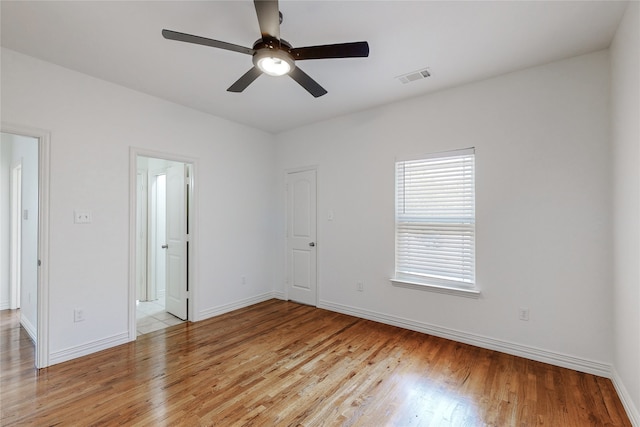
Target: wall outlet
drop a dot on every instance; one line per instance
(82, 216)
(360, 286)
(523, 314)
(78, 315)
(243, 279)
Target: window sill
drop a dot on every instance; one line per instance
(468, 293)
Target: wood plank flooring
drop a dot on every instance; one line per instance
(280, 363)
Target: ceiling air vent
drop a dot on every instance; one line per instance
(416, 75)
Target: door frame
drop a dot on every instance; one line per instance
(192, 266)
(287, 172)
(42, 332)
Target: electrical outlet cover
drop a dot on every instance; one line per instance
(82, 216)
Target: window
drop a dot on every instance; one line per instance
(435, 221)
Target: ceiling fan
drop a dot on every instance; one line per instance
(273, 55)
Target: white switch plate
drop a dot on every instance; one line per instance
(523, 314)
(82, 216)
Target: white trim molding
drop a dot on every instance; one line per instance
(88, 348)
(226, 308)
(632, 411)
(469, 293)
(28, 326)
(279, 295)
(540, 355)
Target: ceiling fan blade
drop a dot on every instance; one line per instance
(188, 38)
(244, 81)
(268, 18)
(340, 50)
(307, 82)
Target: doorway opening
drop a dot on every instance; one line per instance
(15, 232)
(19, 158)
(164, 190)
(23, 231)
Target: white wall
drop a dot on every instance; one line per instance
(625, 121)
(24, 150)
(93, 124)
(543, 209)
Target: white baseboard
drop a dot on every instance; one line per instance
(28, 326)
(632, 411)
(88, 348)
(123, 338)
(279, 295)
(5, 305)
(225, 308)
(545, 356)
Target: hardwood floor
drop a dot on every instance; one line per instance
(284, 364)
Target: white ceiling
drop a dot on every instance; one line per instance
(120, 41)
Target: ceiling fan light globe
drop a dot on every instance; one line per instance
(274, 62)
(274, 66)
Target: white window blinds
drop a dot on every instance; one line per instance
(435, 219)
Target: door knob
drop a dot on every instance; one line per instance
(165, 246)
(312, 244)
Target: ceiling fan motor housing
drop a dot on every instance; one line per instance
(272, 56)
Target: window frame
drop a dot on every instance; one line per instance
(462, 219)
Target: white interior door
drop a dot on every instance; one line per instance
(301, 237)
(176, 262)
